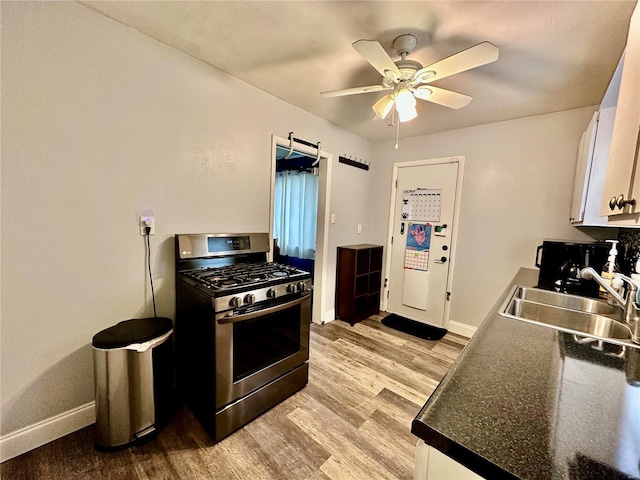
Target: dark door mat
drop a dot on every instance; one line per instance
(412, 327)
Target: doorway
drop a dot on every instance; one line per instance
(299, 226)
(423, 226)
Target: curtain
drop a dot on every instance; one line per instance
(296, 213)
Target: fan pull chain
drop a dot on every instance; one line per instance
(397, 134)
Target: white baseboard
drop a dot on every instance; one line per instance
(461, 329)
(27, 438)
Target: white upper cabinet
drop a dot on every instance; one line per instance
(583, 171)
(591, 168)
(621, 195)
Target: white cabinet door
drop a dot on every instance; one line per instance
(583, 171)
(587, 194)
(434, 465)
(622, 179)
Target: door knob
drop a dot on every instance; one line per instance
(442, 260)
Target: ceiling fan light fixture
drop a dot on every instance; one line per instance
(407, 114)
(406, 105)
(383, 106)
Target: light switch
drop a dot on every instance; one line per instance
(333, 218)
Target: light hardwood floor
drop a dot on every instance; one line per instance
(352, 421)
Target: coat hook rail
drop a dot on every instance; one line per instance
(354, 163)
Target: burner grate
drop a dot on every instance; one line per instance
(241, 274)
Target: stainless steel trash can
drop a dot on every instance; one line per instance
(134, 380)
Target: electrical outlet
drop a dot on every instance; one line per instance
(147, 221)
(359, 228)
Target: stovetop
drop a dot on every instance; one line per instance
(228, 278)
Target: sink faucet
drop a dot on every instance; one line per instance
(631, 311)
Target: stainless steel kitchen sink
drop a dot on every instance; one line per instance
(564, 300)
(567, 313)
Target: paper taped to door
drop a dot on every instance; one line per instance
(421, 204)
(416, 254)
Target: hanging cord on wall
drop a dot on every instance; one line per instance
(153, 293)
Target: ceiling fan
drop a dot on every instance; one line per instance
(406, 79)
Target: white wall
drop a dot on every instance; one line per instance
(100, 123)
(517, 188)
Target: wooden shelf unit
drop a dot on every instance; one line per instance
(358, 282)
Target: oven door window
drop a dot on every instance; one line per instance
(264, 341)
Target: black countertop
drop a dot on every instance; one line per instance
(528, 402)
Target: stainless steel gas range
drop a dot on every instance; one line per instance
(242, 328)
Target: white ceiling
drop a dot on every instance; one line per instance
(554, 55)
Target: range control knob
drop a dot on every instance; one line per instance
(235, 302)
(272, 292)
(249, 298)
(292, 288)
(302, 287)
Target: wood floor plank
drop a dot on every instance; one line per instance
(393, 370)
(397, 447)
(335, 435)
(394, 405)
(352, 421)
(376, 325)
(450, 351)
(454, 339)
(432, 366)
(355, 371)
(365, 329)
(287, 448)
(392, 350)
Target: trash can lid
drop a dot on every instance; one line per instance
(137, 330)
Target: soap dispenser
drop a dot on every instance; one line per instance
(610, 268)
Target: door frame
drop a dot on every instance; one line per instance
(318, 313)
(454, 230)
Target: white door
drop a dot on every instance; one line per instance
(422, 230)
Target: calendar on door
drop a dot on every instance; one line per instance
(416, 254)
(421, 204)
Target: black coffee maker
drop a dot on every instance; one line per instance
(560, 262)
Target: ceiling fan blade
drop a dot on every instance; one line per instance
(441, 96)
(354, 91)
(373, 53)
(473, 57)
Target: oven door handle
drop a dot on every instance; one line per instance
(266, 311)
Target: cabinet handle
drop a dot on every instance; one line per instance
(621, 202)
(612, 203)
